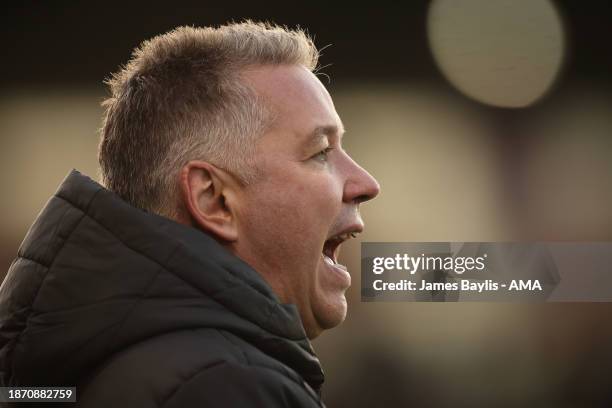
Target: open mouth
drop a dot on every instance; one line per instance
(331, 247)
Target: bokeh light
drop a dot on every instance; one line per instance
(499, 52)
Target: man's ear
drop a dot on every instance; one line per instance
(204, 189)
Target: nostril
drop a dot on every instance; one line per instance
(360, 186)
(364, 197)
(367, 192)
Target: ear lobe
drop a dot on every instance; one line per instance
(203, 192)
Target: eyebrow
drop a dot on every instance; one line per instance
(321, 132)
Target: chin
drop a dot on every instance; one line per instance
(331, 312)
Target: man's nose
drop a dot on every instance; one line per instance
(360, 186)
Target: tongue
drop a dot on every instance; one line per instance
(331, 262)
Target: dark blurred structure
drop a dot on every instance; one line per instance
(452, 167)
(75, 43)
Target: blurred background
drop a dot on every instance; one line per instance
(483, 120)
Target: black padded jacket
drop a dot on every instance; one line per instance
(136, 310)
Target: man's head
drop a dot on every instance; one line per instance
(228, 130)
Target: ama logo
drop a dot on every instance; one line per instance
(519, 284)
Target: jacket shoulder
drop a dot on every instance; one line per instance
(237, 385)
(201, 367)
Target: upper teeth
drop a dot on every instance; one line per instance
(345, 236)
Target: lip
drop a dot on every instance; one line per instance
(356, 227)
(338, 271)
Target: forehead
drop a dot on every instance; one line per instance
(297, 98)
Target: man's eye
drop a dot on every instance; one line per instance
(322, 155)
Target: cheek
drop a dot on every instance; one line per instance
(294, 215)
(291, 214)
(311, 210)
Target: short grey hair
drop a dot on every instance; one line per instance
(180, 98)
